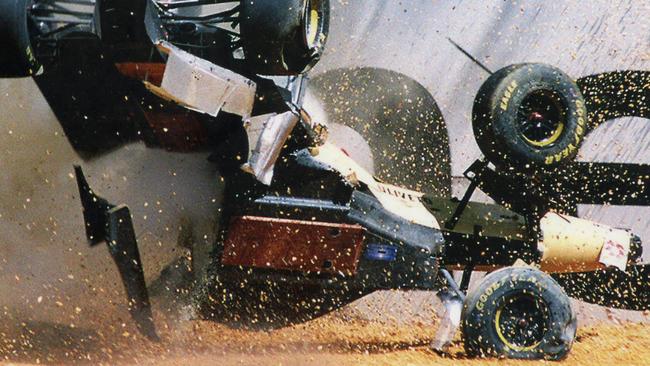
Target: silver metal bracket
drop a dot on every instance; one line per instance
(452, 306)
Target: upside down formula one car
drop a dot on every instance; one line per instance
(305, 229)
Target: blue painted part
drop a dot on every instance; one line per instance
(381, 252)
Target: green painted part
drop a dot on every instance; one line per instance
(493, 220)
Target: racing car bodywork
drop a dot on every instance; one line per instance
(305, 229)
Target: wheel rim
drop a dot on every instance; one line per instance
(541, 118)
(521, 322)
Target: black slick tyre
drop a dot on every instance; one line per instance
(17, 59)
(529, 115)
(33, 31)
(283, 37)
(518, 312)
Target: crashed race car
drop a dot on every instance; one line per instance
(305, 229)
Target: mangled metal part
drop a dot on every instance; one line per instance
(202, 86)
(449, 318)
(153, 24)
(123, 247)
(449, 315)
(318, 130)
(267, 135)
(112, 224)
(94, 210)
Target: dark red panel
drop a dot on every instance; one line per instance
(305, 246)
(177, 129)
(146, 71)
(174, 127)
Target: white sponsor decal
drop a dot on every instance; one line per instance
(399, 201)
(614, 254)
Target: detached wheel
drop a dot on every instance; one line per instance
(30, 30)
(529, 115)
(518, 313)
(283, 37)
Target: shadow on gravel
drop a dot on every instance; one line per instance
(43, 342)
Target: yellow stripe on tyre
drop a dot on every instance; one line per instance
(312, 33)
